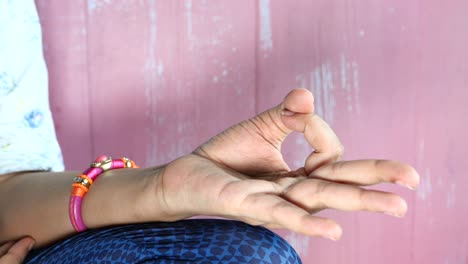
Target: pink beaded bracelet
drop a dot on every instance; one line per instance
(82, 183)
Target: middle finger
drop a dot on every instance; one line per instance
(315, 194)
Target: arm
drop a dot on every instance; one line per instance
(36, 203)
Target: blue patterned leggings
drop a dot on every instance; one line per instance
(188, 241)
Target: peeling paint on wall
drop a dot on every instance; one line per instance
(93, 5)
(344, 72)
(421, 151)
(322, 87)
(151, 72)
(362, 33)
(349, 73)
(425, 186)
(160, 69)
(321, 82)
(451, 197)
(265, 26)
(355, 68)
(188, 16)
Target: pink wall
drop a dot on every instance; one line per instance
(161, 77)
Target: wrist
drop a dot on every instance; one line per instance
(157, 201)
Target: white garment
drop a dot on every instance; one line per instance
(27, 135)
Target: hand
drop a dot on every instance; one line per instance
(253, 146)
(240, 174)
(15, 252)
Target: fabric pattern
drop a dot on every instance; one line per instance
(27, 135)
(203, 241)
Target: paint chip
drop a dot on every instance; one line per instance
(188, 14)
(160, 69)
(425, 186)
(322, 86)
(94, 5)
(265, 26)
(450, 202)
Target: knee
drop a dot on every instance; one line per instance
(254, 244)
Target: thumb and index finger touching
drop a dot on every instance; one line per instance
(296, 113)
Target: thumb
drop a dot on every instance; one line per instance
(273, 124)
(298, 101)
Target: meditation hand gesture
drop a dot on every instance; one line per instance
(241, 174)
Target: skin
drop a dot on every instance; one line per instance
(239, 174)
(15, 252)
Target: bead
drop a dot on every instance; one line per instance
(87, 178)
(79, 190)
(77, 179)
(93, 172)
(127, 162)
(105, 165)
(83, 180)
(101, 158)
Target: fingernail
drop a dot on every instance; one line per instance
(405, 185)
(31, 245)
(393, 214)
(287, 112)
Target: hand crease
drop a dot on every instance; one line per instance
(276, 124)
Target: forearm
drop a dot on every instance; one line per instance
(36, 203)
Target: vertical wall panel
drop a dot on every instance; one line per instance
(205, 56)
(116, 61)
(64, 31)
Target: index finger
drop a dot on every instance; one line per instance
(369, 172)
(327, 146)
